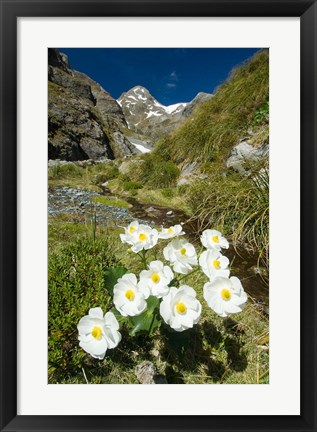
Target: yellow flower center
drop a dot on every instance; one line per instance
(132, 229)
(181, 308)
(226, 294)
(183, 251)
(171, 229)
(215, 239)
(216, 264)
(96, 332)
(142, 237)
(130, 295)
(155, 278)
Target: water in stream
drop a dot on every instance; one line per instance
(79, 204)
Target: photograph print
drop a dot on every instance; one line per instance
(158, 215)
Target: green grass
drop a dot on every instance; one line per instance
(131, 185)
(237, 205)
(155, 172)
(214, 351)
(73, 175)
(111, 201)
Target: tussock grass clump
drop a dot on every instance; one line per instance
(62, 171)
(158, 173)
(237, 205)
(85, 177)
(219, 122)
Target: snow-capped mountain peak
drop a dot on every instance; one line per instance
(145, 115)
(139, 105)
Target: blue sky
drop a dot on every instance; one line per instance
(170, 74)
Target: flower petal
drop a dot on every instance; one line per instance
(96, 312)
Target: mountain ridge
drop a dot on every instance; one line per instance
(86, 122)
(146, 115)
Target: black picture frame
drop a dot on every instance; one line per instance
(10, 11)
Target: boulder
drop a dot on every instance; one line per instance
(246, 152)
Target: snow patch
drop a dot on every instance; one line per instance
(175, 107)
(141, 148)
(171, 108)
(138, 146)
(153, 113)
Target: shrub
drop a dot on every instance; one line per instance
(75, 283)
(261, 116)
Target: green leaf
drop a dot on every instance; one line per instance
(112, 274)
(149, 320)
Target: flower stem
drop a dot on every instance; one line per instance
(142, 256)
(188, 274)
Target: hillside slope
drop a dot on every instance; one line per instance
(225, 119)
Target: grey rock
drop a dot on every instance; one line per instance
(146, 374)
(198, 100)
(123, 144)
(184, 180)
(246, 152)
(190, 173)
(151, 209)
(84, 121)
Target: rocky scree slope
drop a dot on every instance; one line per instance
(84, 121)
(146, 116)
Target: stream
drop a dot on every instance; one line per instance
(80, 206)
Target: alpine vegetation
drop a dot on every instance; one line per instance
(157, 297)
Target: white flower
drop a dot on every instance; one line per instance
(181, 254)
(139, 236)
(172, 231)
(225, 296)
(130, 232)
(97, 333)
(180, 308)
(213, 239)
(214, 264)
(156, 279)
(128, 297)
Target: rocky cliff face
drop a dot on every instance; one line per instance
(84, 121)
(146, 116)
